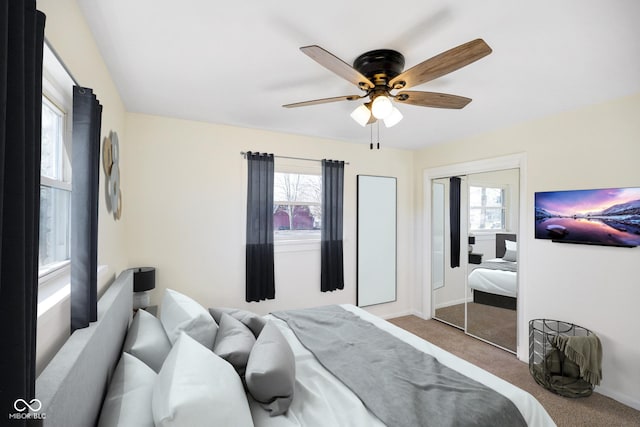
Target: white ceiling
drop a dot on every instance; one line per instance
(236, 62)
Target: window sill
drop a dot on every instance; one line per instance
(52, 271)
(56, 290)
(281, 246)
(486, 234)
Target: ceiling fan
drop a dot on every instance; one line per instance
(380, 72)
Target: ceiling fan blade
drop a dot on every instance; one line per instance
(441, 64)
(338, 66)
(323, 101)
(432, 99)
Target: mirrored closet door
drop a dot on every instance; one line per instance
(479, 295)
(448, 283)
(492, 280)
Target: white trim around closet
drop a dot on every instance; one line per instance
(518, 160)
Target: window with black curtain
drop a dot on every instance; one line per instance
(85, 161)
(21, 50)
(331, 257)
(260, 279)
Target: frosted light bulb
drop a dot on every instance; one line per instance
(381, 107)
(393, 118)
(361, 115)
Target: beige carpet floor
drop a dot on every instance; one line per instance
(596, 410)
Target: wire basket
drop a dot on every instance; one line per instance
(548, 365)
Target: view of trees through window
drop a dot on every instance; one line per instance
(297, 208)
(55, 190)
(487, 209)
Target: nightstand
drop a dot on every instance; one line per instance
(475, 258)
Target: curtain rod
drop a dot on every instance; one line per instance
(64, 66)
(244, 154)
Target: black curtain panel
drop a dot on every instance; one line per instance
(454, 219)
(260, 278)
(331, 259)
(85, 163)
(21, 45)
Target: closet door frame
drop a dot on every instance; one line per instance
(513, 161)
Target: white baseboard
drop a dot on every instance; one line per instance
(453, 302)
(398, 314)
(622, 398)
(420, 314)
(410, 312)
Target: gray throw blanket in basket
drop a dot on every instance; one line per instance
(584, 351)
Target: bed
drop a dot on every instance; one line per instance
(495, 281)
(76, 384)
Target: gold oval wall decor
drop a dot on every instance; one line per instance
(110, 160)
(107, 159)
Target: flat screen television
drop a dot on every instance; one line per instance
(608, 216)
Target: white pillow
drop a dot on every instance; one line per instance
(271, 371)
(195, 387)
(511, 251)
(251, 320)
(234, 342)
(180, 313)
(128, 401)
(147, 340)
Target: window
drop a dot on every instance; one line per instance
(487, 208)
(55, 190)
(55, 170)
(297, 206)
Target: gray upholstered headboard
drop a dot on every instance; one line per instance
(73, 385)
(500, 245)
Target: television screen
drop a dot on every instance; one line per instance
(609, 216)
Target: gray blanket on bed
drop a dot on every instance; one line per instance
(398, 383)
(499, 265)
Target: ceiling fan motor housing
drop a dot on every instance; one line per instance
(386, 62)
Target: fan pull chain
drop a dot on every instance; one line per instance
(371, 137)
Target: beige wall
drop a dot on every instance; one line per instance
(595, 287)
(186, 212)
(67, 33)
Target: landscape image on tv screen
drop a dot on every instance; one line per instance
(609, 216)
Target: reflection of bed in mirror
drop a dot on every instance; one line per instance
(494, 282)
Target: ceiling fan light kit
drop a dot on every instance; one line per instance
(381, 107)
(379, 72)
(393, 118)
(361, 115)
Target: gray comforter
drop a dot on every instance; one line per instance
(499, 265)
(398, 383)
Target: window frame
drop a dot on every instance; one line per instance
(483, 208)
